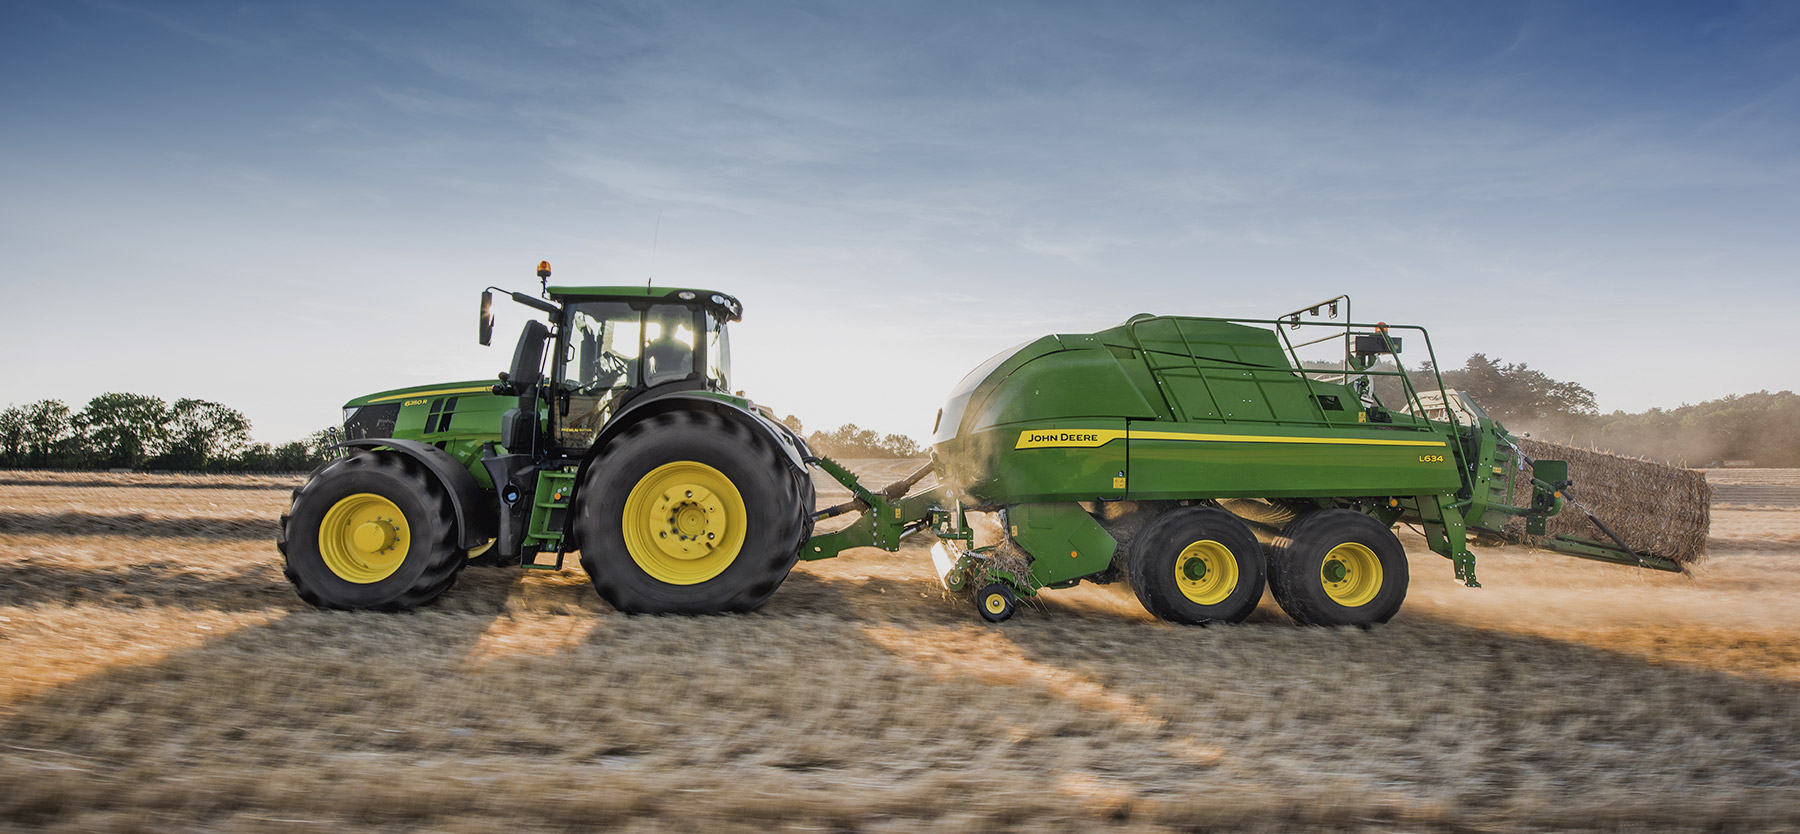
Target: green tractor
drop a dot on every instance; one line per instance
(681, 496)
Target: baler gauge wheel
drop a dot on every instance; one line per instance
(996, 602)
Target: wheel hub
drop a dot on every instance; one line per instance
(1206, 572)
(694, 521)
(688, 521)
(1351, 574)
(684, 522)
(374, 536)
(363, 538)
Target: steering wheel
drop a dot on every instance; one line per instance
(609, 369)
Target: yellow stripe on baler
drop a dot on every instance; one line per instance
(1091, 438)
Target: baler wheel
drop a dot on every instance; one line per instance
(691, 513)
(996, 603)
(1197, 565)
(1338, 568)
(370, 531)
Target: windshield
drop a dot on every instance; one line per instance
(609, 345)
(603, 347)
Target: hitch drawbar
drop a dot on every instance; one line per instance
(887, 516)
(893, 513)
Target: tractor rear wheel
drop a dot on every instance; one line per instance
(1197, 565)
(691, 513)
(1338, 567)
(371, 531)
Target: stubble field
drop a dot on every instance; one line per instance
(159, 674)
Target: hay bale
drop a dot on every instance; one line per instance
(1654, 507)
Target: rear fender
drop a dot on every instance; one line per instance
(475, 519)
(790, 444)
(793, 448)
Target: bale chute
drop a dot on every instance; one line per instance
(1656, 509)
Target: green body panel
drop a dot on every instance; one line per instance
(1185, 408)
(1066, 542)
(988, 471)
(1086, 382)
(1186, 460)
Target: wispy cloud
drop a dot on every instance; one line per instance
(978, 162)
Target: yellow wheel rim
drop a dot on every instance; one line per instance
(995, 603)
(1351, 574)
(364, 538)
(684, 523)
(1206, 572)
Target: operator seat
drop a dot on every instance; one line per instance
(667, 360)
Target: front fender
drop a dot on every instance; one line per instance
(476, 522)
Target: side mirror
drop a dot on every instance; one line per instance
(487, 318)
(528, 357)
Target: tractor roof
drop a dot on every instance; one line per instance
(733, 309)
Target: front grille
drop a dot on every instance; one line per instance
(371, 421)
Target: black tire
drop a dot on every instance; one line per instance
(768, 521)
(1338, 568)
(1197, 565)
(996, 603)
(418, 558)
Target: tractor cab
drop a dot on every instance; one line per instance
(607, 348)
(615, 345)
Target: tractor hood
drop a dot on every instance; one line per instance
(431, 413)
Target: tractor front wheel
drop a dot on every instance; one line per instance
(371, 531)
(1338, 568)
(1197, 565)
(691, 513)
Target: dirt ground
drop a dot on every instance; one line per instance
(161, 675)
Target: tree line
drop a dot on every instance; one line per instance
(136, 431)
(1762, 428)
(852, 441)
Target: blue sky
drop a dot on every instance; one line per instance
(281, 206)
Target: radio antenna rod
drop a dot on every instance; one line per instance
(655, 238)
